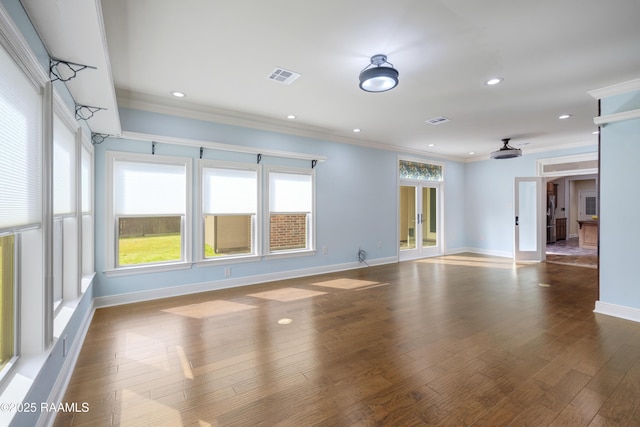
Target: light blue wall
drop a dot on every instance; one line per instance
(619, 204)
(489, 198)
(356, 195)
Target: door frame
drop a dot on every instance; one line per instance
(539, 253)
(420, 251)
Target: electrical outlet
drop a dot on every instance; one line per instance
(325, 250)
(379, 243)
(227, 271)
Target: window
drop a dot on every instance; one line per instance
(588, 204)
(150, 200)
(65, 244)
(291, 208)
(20, 187)
(7, 300)
(230, 207)
(421, 171)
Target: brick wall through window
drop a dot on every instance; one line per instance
(288, 231)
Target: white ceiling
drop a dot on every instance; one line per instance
(550, 54)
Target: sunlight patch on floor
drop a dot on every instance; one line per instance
(135, 411)
(208, 308)
(147, 350)
(184, 362)
(346, 283)
(287, 294)
(485, 262)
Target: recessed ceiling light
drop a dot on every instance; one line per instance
(472, 153)
(291, 117)
(431, 145)
(356, 130)
(178, 94)
(285, 321)
(564, 116)
(494, 81)
(596, 132)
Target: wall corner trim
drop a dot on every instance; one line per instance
(623, 312)
(616, 89)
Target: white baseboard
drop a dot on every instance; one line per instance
(623, 312)
(64, 376)
(111, 300)
(481, 251)
(456, 251)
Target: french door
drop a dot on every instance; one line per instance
(419, 220)
(529, 229)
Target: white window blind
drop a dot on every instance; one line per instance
(229, 191)
(64, 167)
(290, 192)
(149, 188)
(85, 173)
(20, 145)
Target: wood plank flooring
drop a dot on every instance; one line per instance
(451, 341)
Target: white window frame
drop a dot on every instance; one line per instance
(67, 263)
(111, 240)
(86, 217)
(257, 226)
(34, 315)
(311, 226)
(16, 305)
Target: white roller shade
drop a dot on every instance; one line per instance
(229, 191)
(290, 192)
(20, 147)
(64, 168)
(149, 188)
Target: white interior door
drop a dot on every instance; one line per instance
(420, 220)
(529, 227)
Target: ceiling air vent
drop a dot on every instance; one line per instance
(437, 120)
(283, 76)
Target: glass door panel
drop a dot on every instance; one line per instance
(419, 221)
(429, 217)
(407, 217)
(528, 231)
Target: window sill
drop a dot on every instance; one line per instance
(227, 260)
(146, 269)
(63, 315)
(291, 254)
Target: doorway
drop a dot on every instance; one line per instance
(576, 203)
(419, 220)
(573, 181)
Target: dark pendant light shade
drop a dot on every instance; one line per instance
(378, 78)
(507, 151)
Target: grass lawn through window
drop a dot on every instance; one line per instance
(149, 249)
(152, 249)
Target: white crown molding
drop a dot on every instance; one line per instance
(18, 48)
(135, 101)
(616, 89)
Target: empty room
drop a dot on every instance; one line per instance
(319, 213)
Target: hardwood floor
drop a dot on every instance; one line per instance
(456, 340)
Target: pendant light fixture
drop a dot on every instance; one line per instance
(507, 151)
(379, 76)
